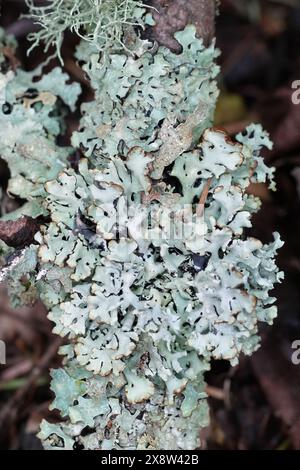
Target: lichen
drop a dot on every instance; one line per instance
(31, 119)
(99, 22)
(142, 260)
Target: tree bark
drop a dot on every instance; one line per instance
(18, 233)
(173, 15)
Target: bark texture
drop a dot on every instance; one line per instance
(173, 15)
(18, 233)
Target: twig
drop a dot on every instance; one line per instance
(10, 410)
(9, 54)
(214, 392)
(203, 197)
(15, 371)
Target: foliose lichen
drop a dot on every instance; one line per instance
(142, 260)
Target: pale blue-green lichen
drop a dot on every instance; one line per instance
(31, 111)
(144, 315)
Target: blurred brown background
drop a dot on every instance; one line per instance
(256, 404)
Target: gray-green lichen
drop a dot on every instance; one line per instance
(99, 22)
(31, 119)
(144, 308)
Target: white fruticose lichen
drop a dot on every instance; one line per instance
(144, 264)
(99, 22)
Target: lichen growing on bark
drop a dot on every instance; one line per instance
(142, 258)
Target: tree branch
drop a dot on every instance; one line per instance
(18, 233)
(173, 15)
